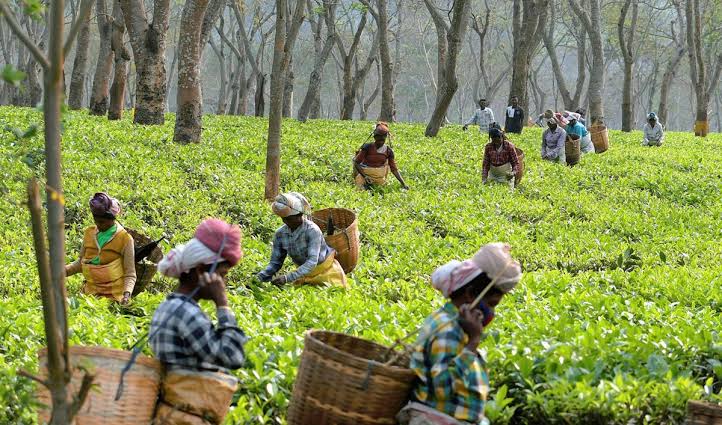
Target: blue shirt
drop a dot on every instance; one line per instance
(577, 129)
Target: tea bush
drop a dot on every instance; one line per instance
(617, 319)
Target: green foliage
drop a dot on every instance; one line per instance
(616, 321)
(12, 76)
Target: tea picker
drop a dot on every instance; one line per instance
(373, 161)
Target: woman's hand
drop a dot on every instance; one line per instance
(126, 298)
(216, 288)
(470, 321)
(279, 281)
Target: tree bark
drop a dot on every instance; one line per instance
(148, 40)
(571, 102)
(222, 95)
(122, 57)
(99, 99)
(288, 90)
(380, 15)
(671, 69)
(529, 19)
(592, 25)
(625, 45)
(80, 67)
(189, 101)
(311, 101)
(450, 38)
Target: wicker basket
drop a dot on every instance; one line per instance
(346, 241)
(141, 385)
(600, 137)
(342, 381)
(572, 150)
(192, 395)
(701, 413)
(145, 270)
(520, 155)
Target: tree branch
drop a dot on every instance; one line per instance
(35, 378)
(81, 19)
(23, 36)
(79, 399)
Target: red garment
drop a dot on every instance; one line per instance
(498, 158)
(369, 156)
(211, 231)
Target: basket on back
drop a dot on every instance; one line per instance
(701, 413)
(600, 137)
(345, 239)
(145, 270)
(140, 393)
(572, 150)
(520, 156)
(342, 380)
(195, 397)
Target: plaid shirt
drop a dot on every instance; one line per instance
(483, 117)
(451, 379)
(499, 157)
(305, 245)
(188, 338)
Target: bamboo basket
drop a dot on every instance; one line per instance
(520, 156)
(141, 385)
(189, 397)
(145, 270)
(600, 137)
(701, 128)
(342, 380)
(701, 413)
(572, 150)
(346, 238)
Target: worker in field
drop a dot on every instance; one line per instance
(107, 254)
(514, 122)
(373, 161)
(302, 240)
(452, 382)
(582, 113)
(483, 117)
(501, 163)
(653, 131)
(182, 336)
(542, 119)
(553, 139)
(575, 128)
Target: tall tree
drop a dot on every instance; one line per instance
(490, 87)
(311, 104)
(591, 21)
(703, 86)
(679, 47)
(626, 43)
(80, 66)
(51, 258)
(449, 37)
(100, 94)
(571, 101)
(147, 39)
(528, 21)
(121, 57)
(381, 16)
(285, 39)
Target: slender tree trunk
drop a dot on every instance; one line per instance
(222, 97)
(387, 64)
(625, 45)
(666, 85)
(592, 26)
(80, 67)
(190, 103)
(259, 97)
(99, 99)
(122, 57)
(288, 90)
(312, 99)
(529, 19)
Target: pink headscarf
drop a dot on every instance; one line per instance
(211, 232)
(102, 205)
(494, 259)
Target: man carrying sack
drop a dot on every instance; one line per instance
(374, 160)
(501, 163)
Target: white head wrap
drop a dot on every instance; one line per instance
(184, 257)
(290, 203)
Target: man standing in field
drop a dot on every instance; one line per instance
(514, 122)
(483, 117)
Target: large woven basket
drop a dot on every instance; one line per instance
(145, 270)
(572, 150)
(600, 137)
(701, 413)
(342, 380)
(141, 385)
(346, 238)
(520, 155)
(192, 394)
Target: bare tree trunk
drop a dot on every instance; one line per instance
(348, 92)
(190, 103)
(259, 98)
(571, 102)
(529, 18)
(122, 57)
(387, 65)
(666, 85)
(222, 97)
(312, 99)
(148, 40)
(449, 48)
(99, 99)
(593, 27)
(80, 67)
(288, 90)
(628, 57)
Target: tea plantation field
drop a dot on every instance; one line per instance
(617, 319)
